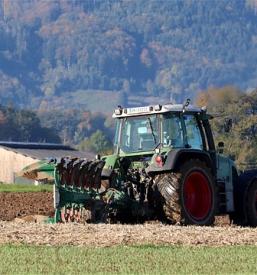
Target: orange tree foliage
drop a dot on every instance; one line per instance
(230, 103)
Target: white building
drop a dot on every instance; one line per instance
(14, 156)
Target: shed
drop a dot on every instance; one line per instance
(14, 156)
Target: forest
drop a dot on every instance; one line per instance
(49, 50)
(60, 60)
(24, 125)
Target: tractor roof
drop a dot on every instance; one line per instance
(156, 109)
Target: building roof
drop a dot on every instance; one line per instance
(44, 150)
(35, 145)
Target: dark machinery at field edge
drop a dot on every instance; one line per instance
(165, 166)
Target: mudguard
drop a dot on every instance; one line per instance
(176, 157)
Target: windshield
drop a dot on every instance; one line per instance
(139, 134)
(145, 133)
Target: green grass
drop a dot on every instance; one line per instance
(123, 260)
(25, 188)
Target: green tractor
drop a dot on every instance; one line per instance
(164, 166)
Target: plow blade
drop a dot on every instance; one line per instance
(77, 195)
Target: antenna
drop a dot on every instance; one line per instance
(186, 104)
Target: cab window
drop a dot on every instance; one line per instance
(193, 134)
(139, 134)
(172, 131)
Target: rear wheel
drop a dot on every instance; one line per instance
(189, 196)
(251, 204)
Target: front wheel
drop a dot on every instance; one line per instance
(189, 196)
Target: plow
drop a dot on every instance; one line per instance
(82, 195)
(78, 182)
(165, 166)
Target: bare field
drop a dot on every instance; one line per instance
(105, 235)
(24, 209)
(20, 204)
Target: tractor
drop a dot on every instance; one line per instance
(164, 167)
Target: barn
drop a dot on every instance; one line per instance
(14, 156)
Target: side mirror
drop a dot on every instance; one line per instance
(228, 125)
(221, 147)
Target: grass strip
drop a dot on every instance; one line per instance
(25, 188)
(23, 259)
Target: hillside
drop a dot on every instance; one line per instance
(52, 52)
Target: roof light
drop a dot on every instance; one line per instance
(118, 111)
(157, 107)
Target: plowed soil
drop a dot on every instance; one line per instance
(28, 212)
(13, 205)
(18, 205)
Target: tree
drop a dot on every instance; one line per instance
(98, 143)
(24, 125)
(218, 97)
(229, 103)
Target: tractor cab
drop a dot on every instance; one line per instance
(144, 129)
(151, 132)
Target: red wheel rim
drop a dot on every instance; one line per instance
(197, 195)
